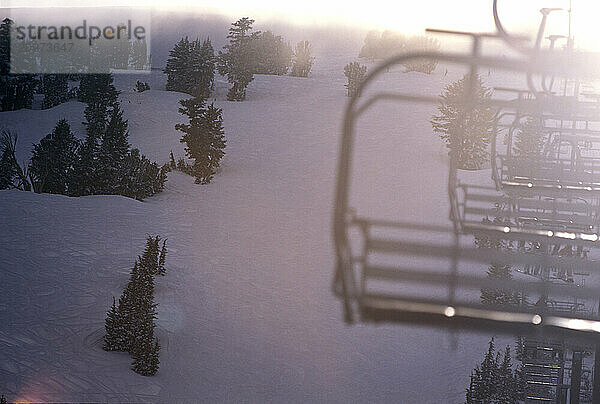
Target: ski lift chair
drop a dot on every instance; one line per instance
(415, 254)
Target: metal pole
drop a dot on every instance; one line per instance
(576, 365)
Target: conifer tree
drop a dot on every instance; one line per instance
(493, 381)
(205, 72)
(162, 258)
(98, 92)
(55, 88)
(273, 55)
(150, 257)
(355, 73)
(146, 359)
(178, 67)
(12, 175)
(16, 90)
(2, 399)
(303, 60)
(238, 60)
(485, 379)
(53, 160)
(114, 339)
(139, 177)
(203, 136)
(466, 122)
(506, 393)
(112, 151)
(529, 140)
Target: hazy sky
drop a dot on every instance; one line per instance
(385, 14)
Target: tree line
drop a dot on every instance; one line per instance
(382, 45)
(192, 64)
(102, 163)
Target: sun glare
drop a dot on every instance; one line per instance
(472, 15)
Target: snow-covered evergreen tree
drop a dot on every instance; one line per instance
(12, 175)
(115, 337)
(529, 140)
(161, 270)
(112, 151)
(494, 381)
(506, 393)
(53, 160)
(203, 136)
(98, 92)
(138, 177)
(205, 71)
(178, 68)
(16, 90)
(55, 88)
(273, 54)
(466, 122)
(150, 257)
(355, 73)
(303, 60)
(146, 358)
(238, 60)
(484, 385)
(2, 399)
(190, 67)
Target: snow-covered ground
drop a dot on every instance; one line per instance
(245, 312)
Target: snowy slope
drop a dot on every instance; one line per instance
(245, 311)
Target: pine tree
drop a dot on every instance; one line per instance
(239, 59)
(529, 140)
(355, 73)
(493, 381)
(499, 297)
(178, 69)
(16, 90)
(112, 151)
(484, 384)
(150, 257)
(139, 177)
(98, 92)
(466, 124)
(146, 358)
(12, 175)
(53, 160)
(303, 61)
(162, 258)
(205, 72)
(2, 399)
(273, 55)
(55, 88)
(114, 339)
(5, 33)
(506, 393)
(203, 136)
